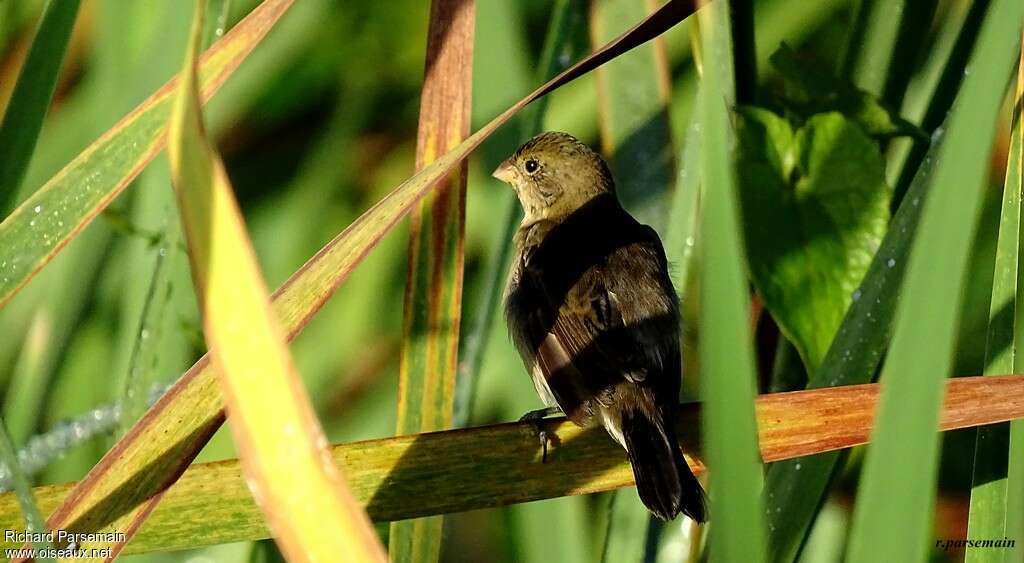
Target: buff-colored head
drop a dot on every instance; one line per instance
(554, 174)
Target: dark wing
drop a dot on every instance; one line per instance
(597, 308)
(621, 320)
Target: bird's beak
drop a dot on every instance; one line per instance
(505, 171)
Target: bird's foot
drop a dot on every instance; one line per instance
(534, 418)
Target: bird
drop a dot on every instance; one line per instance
(592, 311)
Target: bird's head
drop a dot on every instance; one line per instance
(554, 174)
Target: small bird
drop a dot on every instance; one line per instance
(592, 311)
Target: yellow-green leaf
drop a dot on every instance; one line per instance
(433, 292)
(308, 506)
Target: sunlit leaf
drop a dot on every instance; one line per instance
(815, 208)
(283, 449)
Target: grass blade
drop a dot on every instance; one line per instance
(633, 101)
(629, 528)
(489, 466)
(45, 222)
(681, 233)
(945, 91)
(880, 54)
(726, 351)
(894, 505)
(128, 483)
(283, 448)
(989, 498)
(433, 293)
(33, 518)
(30, 100)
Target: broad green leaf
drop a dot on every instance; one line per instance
(306, 502)
(491, 466)
(433, 291)
(809, 91)
(815, 208)
(989, 498)
(128, 483)
(30, 100)
(728, 371)
(894, 506)
(45, 222)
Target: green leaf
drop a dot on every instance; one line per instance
(815, 208)
(894, 506)
(989, 498)
(30, 100)
(809, 91)
(44, 223)
(726, 349)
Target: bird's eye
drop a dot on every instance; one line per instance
(532, 166)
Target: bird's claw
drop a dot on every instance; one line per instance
(535, 418)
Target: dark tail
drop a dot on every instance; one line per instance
(664, 481)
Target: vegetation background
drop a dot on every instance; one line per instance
(321, 122)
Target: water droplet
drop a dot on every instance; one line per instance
(856, 296)
(797, 466)
(38, 208)
(689, 241)
(32, 223)
(891, 262)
